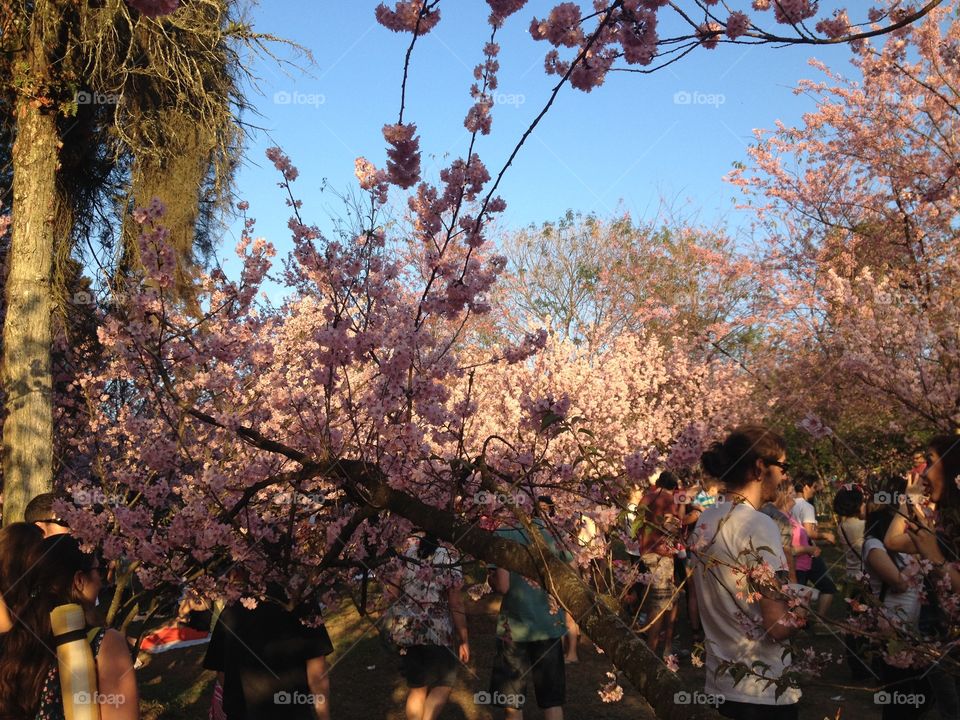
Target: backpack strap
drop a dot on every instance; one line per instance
(92, 633)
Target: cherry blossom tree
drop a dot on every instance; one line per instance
(589, 279)
(860, 204)
(306, 441)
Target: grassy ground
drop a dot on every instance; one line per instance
(365, 680)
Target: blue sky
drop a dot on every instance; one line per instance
(672, 134)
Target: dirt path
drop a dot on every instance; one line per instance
(365, 680)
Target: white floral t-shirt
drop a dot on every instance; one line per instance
(739, 536)
(422, 614)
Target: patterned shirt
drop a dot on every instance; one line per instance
(422, 614)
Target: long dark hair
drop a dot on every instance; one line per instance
(46, 569)
(730, 461)
(878, 522)
(23, 660)
(947, 448)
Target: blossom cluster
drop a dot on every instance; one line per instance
(419, 16)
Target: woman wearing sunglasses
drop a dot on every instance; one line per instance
(29, 672)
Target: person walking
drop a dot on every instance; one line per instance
(807, 487)
(427, 620)
(529, 638)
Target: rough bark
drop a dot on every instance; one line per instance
(27, 330)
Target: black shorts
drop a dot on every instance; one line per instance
(818, 576)
(680, 571)
(428, 666)
(542, 659)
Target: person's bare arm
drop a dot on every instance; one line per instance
(116, 679)
(788, 554)
(318, 680)
(500, 580)
(693, 514)
(459, 615)
(926, 542)
(897, 538)
(881, 564)
(772, 613)
(816, 534)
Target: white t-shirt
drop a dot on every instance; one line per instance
(903, 605)
(803, 511)
(850, 537)
(721, 611)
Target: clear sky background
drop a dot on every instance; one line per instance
(634, 140)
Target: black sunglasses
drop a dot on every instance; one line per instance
(56, 521)
(785, 466)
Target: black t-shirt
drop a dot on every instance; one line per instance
(263, 652)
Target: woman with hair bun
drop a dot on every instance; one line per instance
(733, 538)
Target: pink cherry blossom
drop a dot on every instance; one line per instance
(409, 16)
(403, 157)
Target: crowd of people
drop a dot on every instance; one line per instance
(740, 551)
